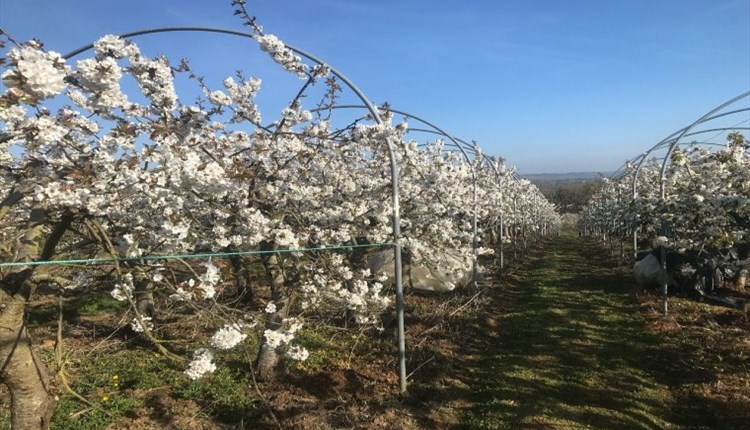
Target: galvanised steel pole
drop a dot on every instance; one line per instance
(502, 226)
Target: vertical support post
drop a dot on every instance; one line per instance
(635, 240)
(665, 277)
(502, 241)
(515, 230)
(398, 268)
(664, 281)
(400, 319)
(475, 243)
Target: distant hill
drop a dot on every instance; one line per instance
(569, 192)
(564, 177)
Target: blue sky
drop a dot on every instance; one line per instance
(552, 86)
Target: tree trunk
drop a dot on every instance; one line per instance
(31, 401)
(241, 276)
(268, 360)
(144, 293)
(741, 280)
(268, 363)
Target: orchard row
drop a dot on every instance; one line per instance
(100, 158)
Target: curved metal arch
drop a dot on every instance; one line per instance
(423, 121)
(486, 159)
(690, 127)
(675, 142)
(620, 172)
(463, 146)
(396, 231)
(671, 138)
(617, 174)
(474, 148)
(465, 150)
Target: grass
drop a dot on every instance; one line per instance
(707, 349)
(114, 383)
(130, 385)
(570, 350)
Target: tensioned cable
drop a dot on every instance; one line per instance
(187, 256)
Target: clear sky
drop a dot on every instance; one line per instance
(551, 85)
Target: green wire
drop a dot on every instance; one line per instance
(186, 256)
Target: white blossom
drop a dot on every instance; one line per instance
(123, 291)
(138, 328)
(274, 338)
(201, 365)
(227, 337)
(219, 98)
(167, 177)
(111, 45)
(298, 353)
(281, 54)
(37, 73)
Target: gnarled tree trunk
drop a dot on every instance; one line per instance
(144, 293)
(31, 400)
(241, 276)
(21, 370)
(268, 358)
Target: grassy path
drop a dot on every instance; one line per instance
(567, 349)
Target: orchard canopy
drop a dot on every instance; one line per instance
(102, 159)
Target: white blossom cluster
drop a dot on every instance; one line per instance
(283, 335)
(204, 289)
(281, 54)
(228, 337)
(35, 74)
(136, 326)
(298, 353)
(201, 365)
(124, 290)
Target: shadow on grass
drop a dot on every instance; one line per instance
(567, 349)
